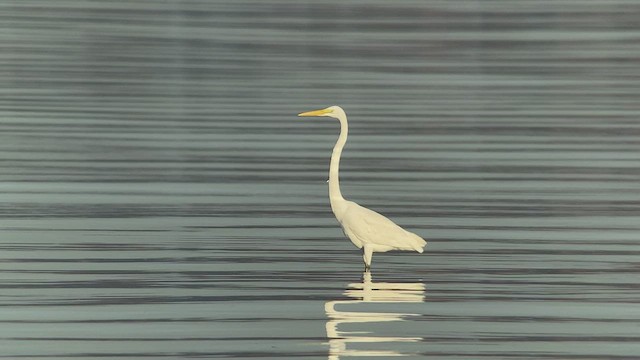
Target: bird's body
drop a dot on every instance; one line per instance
(367, 229)
(375, 233)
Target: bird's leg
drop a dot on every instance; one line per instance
(367, 255)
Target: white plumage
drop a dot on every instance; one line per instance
(367, 229)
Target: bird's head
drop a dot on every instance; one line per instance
(331, 111)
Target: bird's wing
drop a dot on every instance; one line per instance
(371, 227)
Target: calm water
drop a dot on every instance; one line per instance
(160, 199)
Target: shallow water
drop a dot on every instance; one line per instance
(162, 200)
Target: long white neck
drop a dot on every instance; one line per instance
(335, 196)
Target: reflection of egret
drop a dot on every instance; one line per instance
(366, 229)
(369, 292)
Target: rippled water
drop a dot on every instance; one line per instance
(160, 199)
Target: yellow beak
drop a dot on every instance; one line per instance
(315, 112)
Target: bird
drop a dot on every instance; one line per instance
(367, 229)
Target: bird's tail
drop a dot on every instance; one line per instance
(418, 243)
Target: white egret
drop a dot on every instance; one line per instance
(368, 230)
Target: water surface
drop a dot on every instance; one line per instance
(160, 199)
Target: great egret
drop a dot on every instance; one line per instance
(366, 229)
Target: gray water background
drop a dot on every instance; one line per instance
(160, 199)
